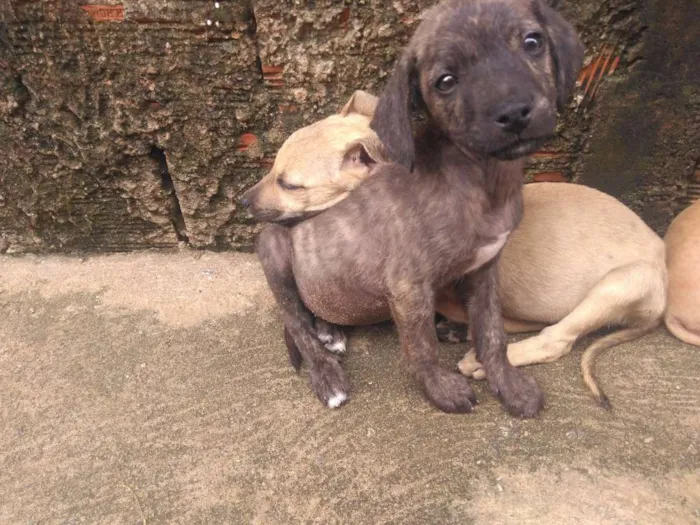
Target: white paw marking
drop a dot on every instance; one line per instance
(337, 399)
(325, 338)
(451, 337)
(337, 347)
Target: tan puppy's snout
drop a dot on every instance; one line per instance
(262, 203)
(244, 200)
(248, 198)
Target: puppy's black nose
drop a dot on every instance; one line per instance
(513, 117)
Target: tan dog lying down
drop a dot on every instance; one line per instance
(683, 259)
(579, 261)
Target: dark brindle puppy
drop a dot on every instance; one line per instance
(489, 75)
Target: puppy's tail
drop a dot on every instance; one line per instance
(681, 331)
(598, 347)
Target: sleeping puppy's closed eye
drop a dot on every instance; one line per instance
(301, 184)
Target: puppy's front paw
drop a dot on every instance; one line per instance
(329, 383)
(518, 391)
(470, 367)
(448, 391)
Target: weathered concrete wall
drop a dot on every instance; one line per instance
(645, 135)
(137, 124)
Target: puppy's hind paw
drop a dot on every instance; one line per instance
(329, 383)
(337, 346)
(337, 399)
(448, 391)
(332, 337)
(450, 332)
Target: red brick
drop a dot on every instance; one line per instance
(272, 71)
(246, 140)
(614, 65)
(104, 13)
(549, 155)
(550, 176)
(344, 17)
(272, 76)
(275, 83)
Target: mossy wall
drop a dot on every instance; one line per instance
(136, 124)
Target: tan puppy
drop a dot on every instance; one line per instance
(683, 259)
(579, 261)
(318, 165)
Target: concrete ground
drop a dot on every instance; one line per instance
(155, 388)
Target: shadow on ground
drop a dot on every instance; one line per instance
(154, 388)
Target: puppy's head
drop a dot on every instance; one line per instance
(318, 165)
(491, 74)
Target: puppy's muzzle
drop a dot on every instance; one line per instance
(246, 200)
(513, 117)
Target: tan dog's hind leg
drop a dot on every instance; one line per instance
(514, 326)
(681, 331)
(453, 332)
(632, 295)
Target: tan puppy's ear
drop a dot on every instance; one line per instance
(364, 153)
(360, 102)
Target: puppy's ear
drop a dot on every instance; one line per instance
(360, 102)
(566, 48)
(392, 118)
(365, 152)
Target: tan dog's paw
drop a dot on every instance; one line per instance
(545, 347)
(470, 367)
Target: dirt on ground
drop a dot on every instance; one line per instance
(155, 388)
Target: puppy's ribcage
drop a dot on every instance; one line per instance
(396, 232)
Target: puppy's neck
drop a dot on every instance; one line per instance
(499, 179)
(502, 179)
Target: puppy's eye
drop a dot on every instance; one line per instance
(446, 83)
(286, 186)
(533, 43)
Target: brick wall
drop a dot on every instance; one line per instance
(136, 124)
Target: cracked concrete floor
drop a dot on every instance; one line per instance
(155, 388)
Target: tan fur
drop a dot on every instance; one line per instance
(579, 261)
(683, 260)
(319, 157)
(313, 157)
